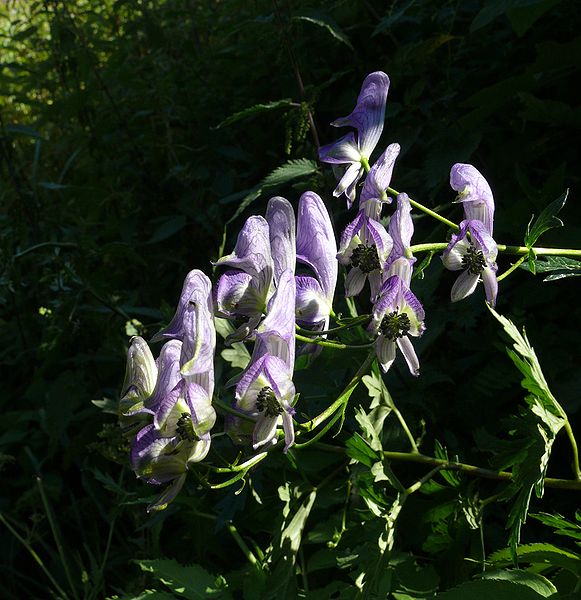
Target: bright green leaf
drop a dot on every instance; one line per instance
(546, 220)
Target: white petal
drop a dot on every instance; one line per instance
(463, 286)
(409, 354)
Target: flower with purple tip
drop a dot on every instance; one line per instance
(280, 217)
(374, 192)
(472, 251)
(365, 245)
(474, 193)
(401, 230)
(354, 149)
(397, 314)
(317, 249)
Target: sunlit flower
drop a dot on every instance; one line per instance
(396, 315)
(474, 255)
(354, 149)
(474, 193)
(374, 192)
(401, 230)
(280, 217)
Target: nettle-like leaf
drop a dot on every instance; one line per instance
(191, 581)
(541, 555)
(559, 267)
(534, 431)
(561, 525)
(254, 110)
(327, 23)
(290, 171)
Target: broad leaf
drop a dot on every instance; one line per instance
(559, 267)
(498, 589)
(545, 555)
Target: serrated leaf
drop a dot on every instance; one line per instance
(492, 588)
(326, 23)
(254, 110)
(546, 220)
(357, 448)
(561, 525)
(191, 582)
(539, 554)
(559, 267)
(290, 171)
(237, 355)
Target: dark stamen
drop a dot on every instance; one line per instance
(395, 325)
(473, 260)
(267, 402)
(365, 257)
(185, 428)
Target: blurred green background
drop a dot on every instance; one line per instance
(119, 167)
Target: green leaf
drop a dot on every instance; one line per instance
(290, 171)
(169, 226)
(559, 267)
(540, 554)
(561, 525)
(546, 220)
(534, 581)
(492, 10)
(498, 589)
(536, 431)
(327, 23)
(145, 595)
(254, 110)
(356, 447)
(191, 582)
(524, 17)
(238, 355)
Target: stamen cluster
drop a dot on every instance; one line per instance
(395, 325)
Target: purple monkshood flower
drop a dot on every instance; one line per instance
(316, 248)
(365, 245)
(397, 313)
(374, 192)
(474, 193)
(244, 291)
(265, 390)
(401, 230)
(354, 150)
(280, 217)
(181, 401)
(475, 257)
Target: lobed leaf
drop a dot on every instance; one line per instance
(546, 220)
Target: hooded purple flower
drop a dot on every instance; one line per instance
(397, 314)
(475, 256)
(474, 193)
(401, 230)
(245, 290)
(280, 217)
(365, 245)
(181, 401)
(354, 150)
(374, 192)
(316, 248)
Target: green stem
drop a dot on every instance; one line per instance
(512, 268)
(232, 411)
(565, 484)
(362, 320)
(405, 427)
(418, 484)
(330, 344)
(56, 536)
(45, 245)
(242, 466)
(343, 398)
(242, 545)
(573, 443)
(514, 250)
(428, 211)
(34, 555)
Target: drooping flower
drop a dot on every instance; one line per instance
(474, 193)
(354, 149)
(316, 248)
(244, 291)
(472, 251)
(280, 217)
(365, 245)
(401, 230)
(181, 401)
(396, 315)
(139, 382)
(374, 192)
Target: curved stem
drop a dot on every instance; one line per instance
(514, 250)
(330, 344)
(512, 268)
(428, 211)
(361, 320)
(573, 443)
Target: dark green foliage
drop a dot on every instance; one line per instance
(131, 132)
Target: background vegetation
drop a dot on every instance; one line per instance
(121, 162)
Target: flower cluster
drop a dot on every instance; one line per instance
(167, 403)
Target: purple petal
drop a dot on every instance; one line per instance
(463, 286)
(164, 420)
(316, 244)
(141, 370)
(195, 280)
(276, 333)
(369, 112)
(385, 350)
(200, 404)
(311, 304)
(490, 285)
(402, 267)
(236, 295)
(264, 431)
(386, 302)
(454, 240)
(474, 192)
(348, 183)
(411, 358)
(411, 301)
(151, 459)
(379, 177)
(281, 221)
(350, 238)
(252, 251)
(344, 150)
(482, 240)
(289, 430)
(168, 495)
(169, 375)
(374, 233)
(401, 227)
(199, 341)
(354, 282)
